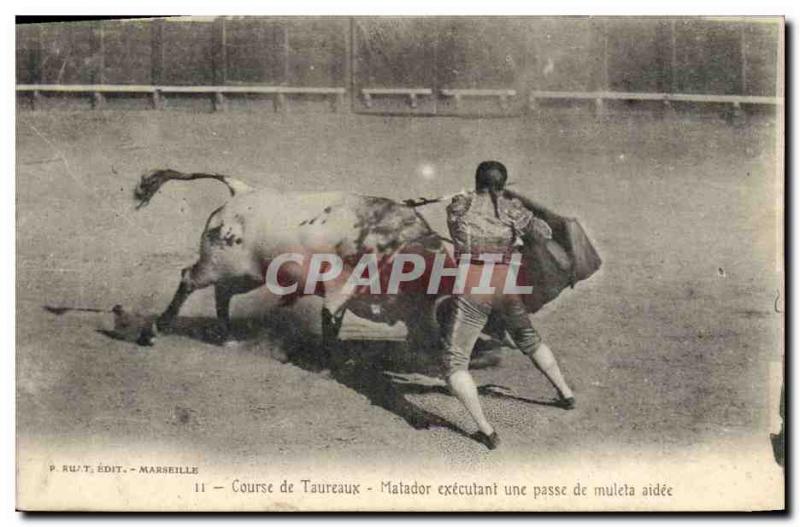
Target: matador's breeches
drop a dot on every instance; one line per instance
(469, 317)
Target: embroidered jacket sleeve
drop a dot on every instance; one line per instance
(525, 222)
(456, 210)
(515, 214)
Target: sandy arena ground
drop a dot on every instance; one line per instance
(671, 345)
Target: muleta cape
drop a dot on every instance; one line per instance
(553, 265)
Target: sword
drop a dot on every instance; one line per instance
(422, 201)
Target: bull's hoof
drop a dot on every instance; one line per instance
(163, 324)
(279, 355)
(146, 338)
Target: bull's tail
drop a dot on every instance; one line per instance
(152, 181)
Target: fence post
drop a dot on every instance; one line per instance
(738, 113)
(436, 84)
(664, 43)
(744, 57)
(673, 66)
(533, 70)
(286, 68)
(219, 102)
(157, 60)
(354, 94)
(99, 100)
(219, 61)
(279, 101)
(36, 100)
(603, 74)
(35, 65)
(37, 57)
(347, 34)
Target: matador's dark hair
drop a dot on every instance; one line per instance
(491, 176)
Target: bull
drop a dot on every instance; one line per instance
(255, 226)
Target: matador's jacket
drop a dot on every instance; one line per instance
(476, 229)
(556, 252)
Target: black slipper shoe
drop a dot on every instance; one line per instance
(491, 441)
(567, 403)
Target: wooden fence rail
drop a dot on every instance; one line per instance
(98, 90)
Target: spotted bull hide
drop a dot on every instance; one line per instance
(243, 236)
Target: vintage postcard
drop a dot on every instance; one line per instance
(400, 264)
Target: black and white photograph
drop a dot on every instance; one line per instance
(400, 263)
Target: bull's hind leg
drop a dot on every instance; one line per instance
(223, 292)
(192, 278)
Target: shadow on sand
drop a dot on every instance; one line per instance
(384, 371)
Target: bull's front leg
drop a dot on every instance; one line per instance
(333, 309)
(331, 326)
(222, 298)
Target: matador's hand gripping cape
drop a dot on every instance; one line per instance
(554, 256)
(552, 265)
